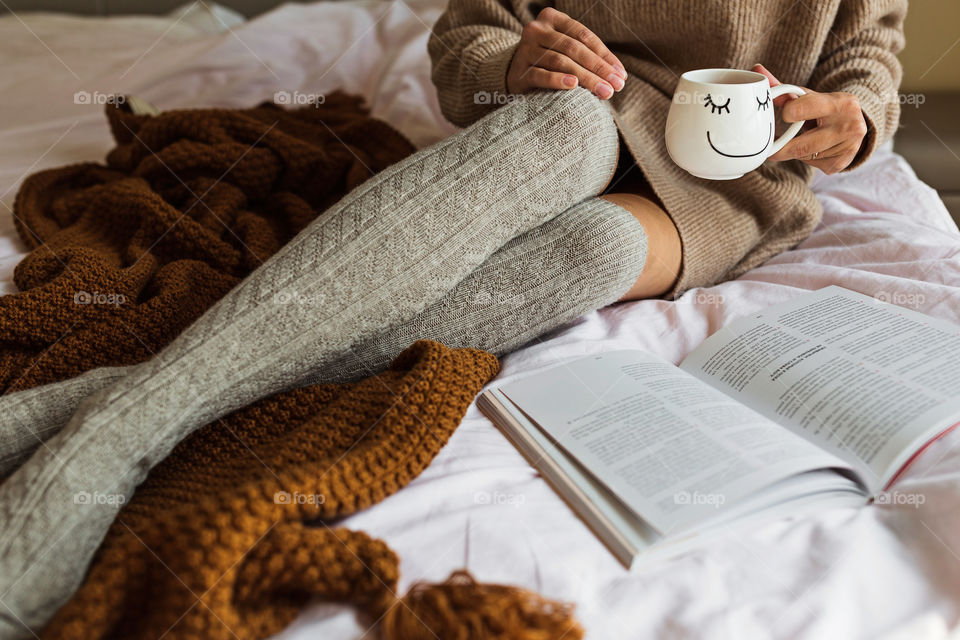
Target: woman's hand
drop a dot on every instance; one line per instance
(840, 127)
(557, 52)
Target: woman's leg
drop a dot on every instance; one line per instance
(383, 254)
(629, 189)
(663, 245)
(586, 241)
(583, 259)
(31, 417)
(494, 308)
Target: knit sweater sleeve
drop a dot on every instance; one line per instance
(859, 57)
(471, 47)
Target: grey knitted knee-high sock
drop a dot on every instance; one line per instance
(581, 260)
(31, 417)
(384, 253)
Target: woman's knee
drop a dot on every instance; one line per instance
(605, 239)
(576, 114)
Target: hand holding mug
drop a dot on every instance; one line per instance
(833, 143)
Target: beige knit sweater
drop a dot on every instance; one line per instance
(726, 227)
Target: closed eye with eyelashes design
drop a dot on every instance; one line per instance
(714, 107)
(763, 105)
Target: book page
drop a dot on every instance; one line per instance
(670, 447)
(867, 380)
(618, 527)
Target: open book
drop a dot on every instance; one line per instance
(820, 401)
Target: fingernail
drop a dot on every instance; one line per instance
(603, 90)
(619, 69)
(570, 81)
(616, 81)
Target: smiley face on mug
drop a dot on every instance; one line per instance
(720, 124)
(720, 105)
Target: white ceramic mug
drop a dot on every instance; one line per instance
(720, 124)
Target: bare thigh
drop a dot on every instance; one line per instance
(629, 189)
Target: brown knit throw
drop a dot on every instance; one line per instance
(126, 256)
(233, 532)
(228, 537)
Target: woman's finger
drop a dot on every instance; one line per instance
(834, 159)
(521, 75)
(836, 150)
(536, 77)
(553, 60)
(803, 146)
(590, 63)
(810, 106)
(574, 29)
(555, 51)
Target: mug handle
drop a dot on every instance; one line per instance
(776, 92)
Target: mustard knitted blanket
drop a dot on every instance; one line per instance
(233, 533)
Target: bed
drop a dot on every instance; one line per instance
(877, 572)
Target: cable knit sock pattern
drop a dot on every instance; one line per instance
(583, 259)
(388, 250)
(30, 417)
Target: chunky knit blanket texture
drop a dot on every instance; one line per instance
(231, 534)
(125, 256)
(236, 529)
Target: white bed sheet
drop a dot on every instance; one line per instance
(878, 572)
